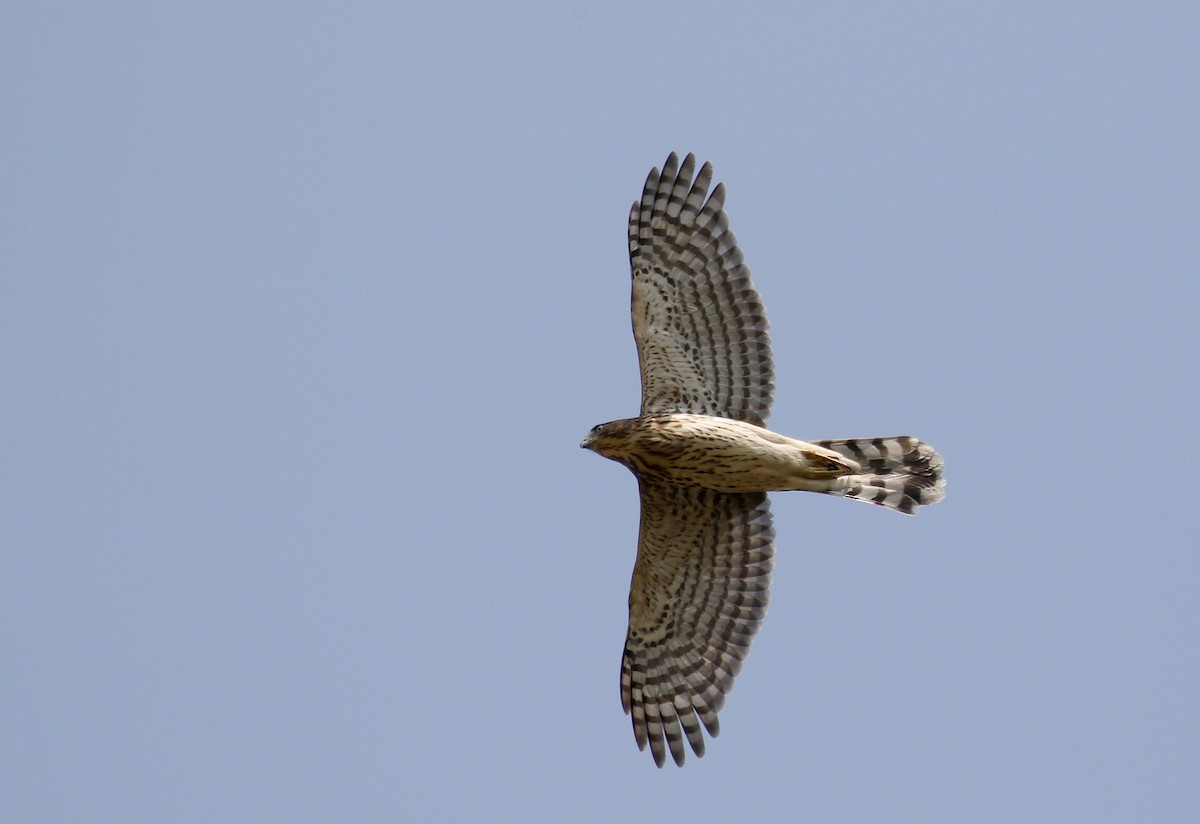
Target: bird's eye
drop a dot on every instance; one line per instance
(832, 467)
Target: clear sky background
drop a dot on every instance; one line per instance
(306, 306)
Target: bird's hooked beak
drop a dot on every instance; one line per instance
(589, 440)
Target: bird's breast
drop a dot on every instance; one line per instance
(713, 453)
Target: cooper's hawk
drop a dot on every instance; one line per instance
(704, 462)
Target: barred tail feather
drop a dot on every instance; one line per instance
(900, 473)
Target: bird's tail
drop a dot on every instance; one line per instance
(900, 473)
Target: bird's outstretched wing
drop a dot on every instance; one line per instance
(700, 326)
(699, 593)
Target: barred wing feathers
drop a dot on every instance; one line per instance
(698, 596)
(699, 323)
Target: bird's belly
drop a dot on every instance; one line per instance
(719, 454)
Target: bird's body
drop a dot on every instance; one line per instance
(705, 460)
(719, 454)
(726, 455)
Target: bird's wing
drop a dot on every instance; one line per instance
(699, 593)
(699, 323)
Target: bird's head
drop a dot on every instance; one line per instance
(589, 440)
(605, 438)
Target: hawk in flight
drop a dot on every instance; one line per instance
(704, 461)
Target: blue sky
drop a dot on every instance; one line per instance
(307, 306)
